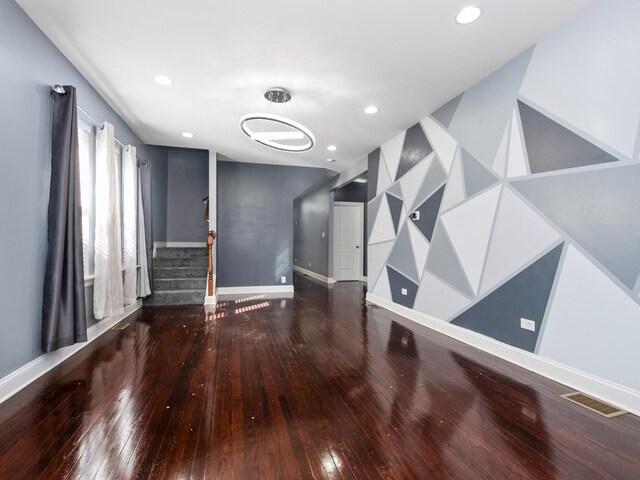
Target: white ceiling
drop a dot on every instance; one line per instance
(335, 56)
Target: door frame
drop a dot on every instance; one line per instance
(360, 207)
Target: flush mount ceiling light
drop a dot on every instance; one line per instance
(331, 159)
(468, 15)
(332, 148)
(371, 110)
(164, 81)
(275, 131)
(188, 135)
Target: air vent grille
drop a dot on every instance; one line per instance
(593, 404)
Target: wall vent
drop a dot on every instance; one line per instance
(120, 326)
(593, 404)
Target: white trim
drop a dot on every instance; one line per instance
(21, 378)
(605, 390)
(315, 275)
(256, 289)
(89, 280)
(157, 245)
(211, 300)
(364, 279)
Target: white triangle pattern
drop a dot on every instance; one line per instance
(420, 247)
(392, 151)
(519, 236)
(377, 257)
(469, 227)
(383, 230)
(592, 324)
(443, 143)
(439, 300)
(500, 162)
(517, 164)
(454, 192)
(383, 287)
(384, 180)
(410, 184)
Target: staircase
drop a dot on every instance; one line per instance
(179, 276)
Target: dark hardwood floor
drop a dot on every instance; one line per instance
(318, 386)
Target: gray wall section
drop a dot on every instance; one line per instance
(31, 64)
(311, 218)
(255, 221)
(159, 193)
(187, 185)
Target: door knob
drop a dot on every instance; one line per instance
(357, 246)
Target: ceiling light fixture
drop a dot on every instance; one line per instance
(468, 15)
(371, 110)
(164, 81)
(275, 131)
(331, 159)
(188, 135)
(332, 148)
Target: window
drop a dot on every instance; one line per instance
(87, 148)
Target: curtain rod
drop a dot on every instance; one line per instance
(60, 89)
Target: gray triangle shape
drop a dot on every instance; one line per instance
(443, 262)
(397, 282)
(476, 176)
(598, 209)
(524, 296)
(372, 212)
(429, 214)
(550, 146)
(395, 190)
(415, 149)
(395, 205)
(446, 113)
(402, 257)
(373, 164)
(434, 179)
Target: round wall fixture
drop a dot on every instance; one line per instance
(277, 132)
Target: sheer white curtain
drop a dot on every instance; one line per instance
(107, 289)
(144, 287)
(129, 220)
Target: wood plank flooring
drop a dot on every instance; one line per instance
(317, 386)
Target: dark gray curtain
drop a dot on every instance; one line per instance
(145, 187)
(64, 317)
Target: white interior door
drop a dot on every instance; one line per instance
(347, 227)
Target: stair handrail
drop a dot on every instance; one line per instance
(211, 237)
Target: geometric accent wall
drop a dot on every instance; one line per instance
(495, 209)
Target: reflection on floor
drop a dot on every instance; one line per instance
(314, 386)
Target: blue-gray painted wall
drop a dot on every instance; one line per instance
(187, 185)
(255, 221)
(29, 65)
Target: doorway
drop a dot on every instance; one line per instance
(348, 221)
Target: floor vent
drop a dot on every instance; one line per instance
(120, 326)
(593, 404)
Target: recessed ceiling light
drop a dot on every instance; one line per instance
(164, 81)
(371, 110)
(188, 135)
(468, 15)
(331, 159)
(332, 148)
(360, 180)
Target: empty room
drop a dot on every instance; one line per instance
(320, 240)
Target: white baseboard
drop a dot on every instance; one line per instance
(364, 279)
(315, 275)
(255, 289)
(19, 379)
(610, 392)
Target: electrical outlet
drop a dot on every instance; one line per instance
(309, 263)
(528, 324)
(283, 279)
(404, 291)
(323, 234)
(415, 215)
